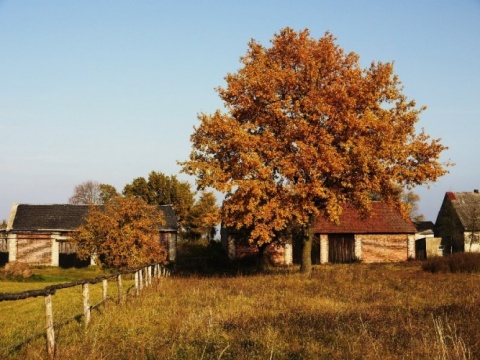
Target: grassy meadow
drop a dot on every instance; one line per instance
(357, 311)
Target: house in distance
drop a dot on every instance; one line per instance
(458, 222)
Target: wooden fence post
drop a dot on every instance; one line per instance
(50, 329)
(104, 289)
(137, 289)
(120, 289)
(140, 279)
(147, 272)
(86, 303)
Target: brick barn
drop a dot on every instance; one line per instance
(40, 234)
(384, 236)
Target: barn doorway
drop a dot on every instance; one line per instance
(341, 248)
(3, 258)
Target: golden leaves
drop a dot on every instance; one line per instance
(122, 234)
(307, 130)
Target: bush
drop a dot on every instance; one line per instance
(458, 262)
(16, 270)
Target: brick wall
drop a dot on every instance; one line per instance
(34, 248)
(384, 248)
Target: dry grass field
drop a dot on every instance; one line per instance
(357, 311)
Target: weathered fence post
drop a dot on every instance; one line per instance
(50, 329)
(86, 303)
(120, 289)
(104, 289)
(137, 289)
(147, 273)
(140, 279)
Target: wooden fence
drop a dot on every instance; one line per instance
(143, 277)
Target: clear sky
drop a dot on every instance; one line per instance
(110, 90)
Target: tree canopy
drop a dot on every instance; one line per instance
(124, 233)
(161, 189)
(306, 130)
(92, 192)
(411, 199)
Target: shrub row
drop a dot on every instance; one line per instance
(458, 262)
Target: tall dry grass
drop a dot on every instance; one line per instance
(355, 311)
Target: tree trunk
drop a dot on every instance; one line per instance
(263, 261)
(307, 241)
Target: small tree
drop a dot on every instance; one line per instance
(307, 130)
(411, 199)
(124, 233)
(203, 217)
(92, 193)
(107, 193)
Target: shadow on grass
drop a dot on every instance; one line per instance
(203, 258)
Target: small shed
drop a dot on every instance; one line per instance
(428, 247)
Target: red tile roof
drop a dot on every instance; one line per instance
(383, 219)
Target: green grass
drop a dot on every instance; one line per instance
(23, 320)
(357, 311)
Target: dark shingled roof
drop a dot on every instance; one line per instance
(49, 217)
(383, 219)
(68, 217)
(424, 225)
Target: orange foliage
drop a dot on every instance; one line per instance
(307, 130)
(122, 234)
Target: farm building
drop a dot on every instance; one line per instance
(383, 236)
(426, 245)
(458, 222)
(39, 234)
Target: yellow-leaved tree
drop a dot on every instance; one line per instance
(124, 234)
(306, 130)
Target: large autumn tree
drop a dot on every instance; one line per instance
(123, 233)
(306, 130)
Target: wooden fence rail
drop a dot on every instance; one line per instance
(143, 276)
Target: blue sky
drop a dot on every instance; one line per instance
(110, 90)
